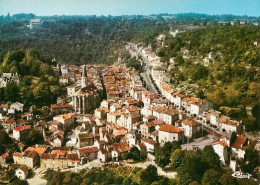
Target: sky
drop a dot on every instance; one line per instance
(129, 7)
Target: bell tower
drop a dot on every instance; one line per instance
(84, 77)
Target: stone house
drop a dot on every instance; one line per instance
(88, 154)
(191, 127)
(20, 133)
(73, 160)
(29, 158)
(65, 119)
(85, 139)
(53, 161)
(170, 133)
(9, 125)
(151, 145)
(227, 125)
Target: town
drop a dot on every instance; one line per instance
(109, 110)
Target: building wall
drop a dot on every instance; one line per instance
(55, 164)
(18, 160)
(167, 136)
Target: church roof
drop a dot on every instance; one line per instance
(90, 89)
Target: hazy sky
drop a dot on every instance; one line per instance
(129, 7)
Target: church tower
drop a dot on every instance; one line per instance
(84, 77)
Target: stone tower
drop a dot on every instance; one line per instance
(84, 77)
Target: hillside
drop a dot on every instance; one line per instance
(38, 85)
(220, 63)
(88, 39)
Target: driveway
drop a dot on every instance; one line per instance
(37, 178)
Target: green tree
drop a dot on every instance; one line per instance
(2, 95)
(194, 183)
(133, 154)
(162, 158)
(179, 59)
(200, 94)
(34, 137)
(19, 182)
(256, 113)
(11, 92)
(250, 160)
(184, 178)
(134, 63)
(227, 179)
(149, 175)
(211, 177)
(210, 158)
(193, 166)
(177, 158)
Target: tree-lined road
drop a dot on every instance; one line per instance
(145, 71)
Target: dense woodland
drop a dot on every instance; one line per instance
(78, 39)
(38, 85)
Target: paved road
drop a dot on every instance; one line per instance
(200, 142)
(145, 71)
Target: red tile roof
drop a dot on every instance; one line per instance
(222, 143)
(170, 128)
(120, 147)
(78, 76)
(88, 150)
(24, 168)
(132, 108)
(22, 128)
(73, 157)
(20, 121)
(38, 150)
(4, 105)
(5, 155)
(189, 122)
(48, 156)
(113, 93)
(150, 141)
(10, 121)
(239, 142)
(59, 152)
(189, 99)
(30, 154)
(56, 106)
(120, 132)
(16, 154)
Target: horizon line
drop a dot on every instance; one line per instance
(245, 15)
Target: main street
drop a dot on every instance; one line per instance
(145, 69)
